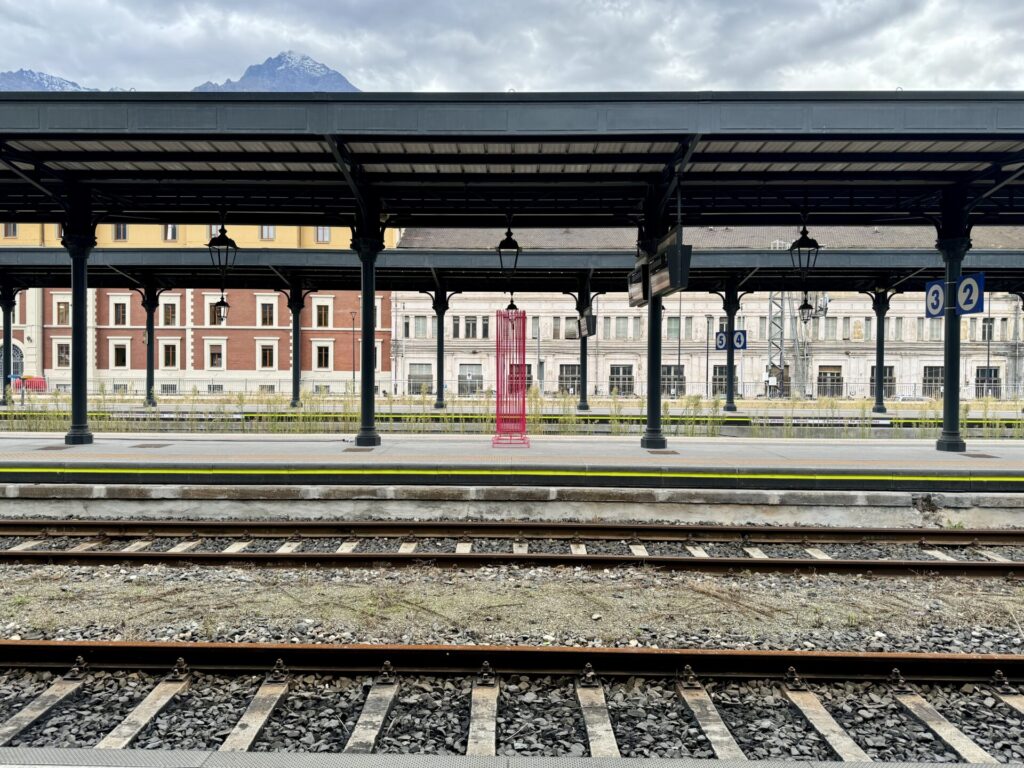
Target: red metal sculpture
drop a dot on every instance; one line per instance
(510, 424)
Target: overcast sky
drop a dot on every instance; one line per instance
(529, 45)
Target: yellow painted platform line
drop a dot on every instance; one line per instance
(512, 472)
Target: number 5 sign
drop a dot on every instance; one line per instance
(970, 294)
(935, 298)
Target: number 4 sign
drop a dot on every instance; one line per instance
(970, 294)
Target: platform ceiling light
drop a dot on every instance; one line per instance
(509, 248)
(804, 253)
(223, 252)
(806, 310)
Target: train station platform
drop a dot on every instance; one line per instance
(989, 466)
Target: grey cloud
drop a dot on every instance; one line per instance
(529, 45)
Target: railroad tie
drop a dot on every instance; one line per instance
(85, 546)
(698, 551)
(823, 722)
(348, 546)
(262, 706)
(371, 719)
(42, 704)
(289, 547)
(147, 709)
(757, 553)
(25, 545)
(407, 547)
(639, 550)
(483, 714)
(709, 720)
(594, 708)
(958, 741)
(818, 554)
(236, 546)
(520, 547)
(138, 546)
(938, 554)
(463, 547)
(184, 546)
(1013, 700)
(994, 556)
(577, 549)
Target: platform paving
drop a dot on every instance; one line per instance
(599, 461)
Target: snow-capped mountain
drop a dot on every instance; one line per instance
(28, 80)
(288, 71)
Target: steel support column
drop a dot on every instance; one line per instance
(296, 301)
(8, 297)
(79, 240)
(439, 301)
(954, 240)
(367, 245)
(731, 305)
(880, 303)
(584, 302)
(150, 303)
(652, 437)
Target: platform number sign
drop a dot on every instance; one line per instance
(935, 298)
(739, 340)
(970, 294)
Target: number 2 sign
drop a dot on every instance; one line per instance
(970, 294)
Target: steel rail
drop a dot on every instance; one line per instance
(809, 566)
(524, 529)
(239, 658)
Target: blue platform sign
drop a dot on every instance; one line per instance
(739, 340)
(935, 298)
(970, 294)
(721, 339)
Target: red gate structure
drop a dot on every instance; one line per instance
(510, 423)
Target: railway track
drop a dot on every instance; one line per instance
(881, 551)
(486, 700)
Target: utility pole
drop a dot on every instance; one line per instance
(352, 314)
(707, 358)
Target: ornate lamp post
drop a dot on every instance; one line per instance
(803, 253)
(509, 248)
(223, 252)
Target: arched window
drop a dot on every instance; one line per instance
(18, 361)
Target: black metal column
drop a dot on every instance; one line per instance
(583, 306)
(954, 240)
(79, 239)
(880, 303)
(440, 304)
(296, 301)
(731, 304)
(652, 437)
(150, 303)
(7, 302)
(367, 247)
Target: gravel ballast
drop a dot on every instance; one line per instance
(651, 720)
(430, 716)
(19, 687)
(540, 716)
(317, 715)
(986, 720)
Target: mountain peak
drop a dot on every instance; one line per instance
(30, 80)
(288, 71)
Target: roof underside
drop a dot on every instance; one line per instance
(552, 160)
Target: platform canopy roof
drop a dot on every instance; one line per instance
(549, 160)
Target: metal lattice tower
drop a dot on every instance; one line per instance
(777, 337)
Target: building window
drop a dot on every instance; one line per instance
(321, 389)
(214, 389)
(323, 357)
(831, 328)
(888, 381)
(673, 380)
(170, 314)
(621, 327)
(63, 355)
(168, 389)
(569, 379)
(534, 327)
(170, 356)
(323, 234)
(846, 329)
(267, 232)
(216, 356)
(556, 327)
(455, 326)
(120, 313)
(470, 326)
(211, 313)
(63, 313)
(471, 378)
(620, 378)
(213, 230)
(672, 328)
(895, 328)
(266, 313)
(170, 232)
(935, 329)
(762, 327)
(988, 325)
(719, 378)
(120, 232)
(419, 326)
(638, 327)
(323, 316)
(572, 328)
(867, 328)
(986, 382)
(266, 356)
(830, 381)
(421, 379)
(931, 383)
(120, 356)
(10, 229)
